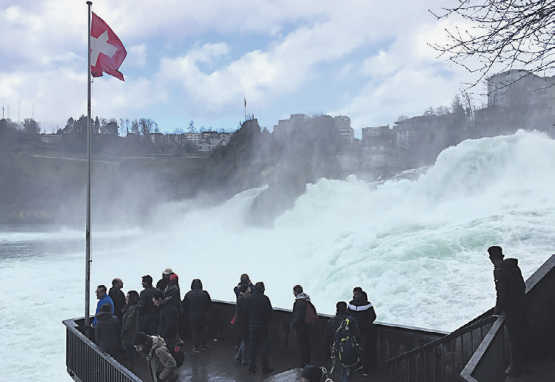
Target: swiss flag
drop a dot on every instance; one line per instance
(107, 51)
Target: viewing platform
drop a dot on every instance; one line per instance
(476, 352)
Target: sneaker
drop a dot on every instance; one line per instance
(358, 368)
(366, 374)
(204, 347)
(267, 370)
(195, 350)
(179, 341)
(512, 371)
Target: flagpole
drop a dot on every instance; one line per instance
(89, 168)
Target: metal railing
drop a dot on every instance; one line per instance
(441, 360)
(487, 362)
(86, 362)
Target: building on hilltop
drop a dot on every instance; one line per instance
(380, 152)
(346, 132)
(518, 87)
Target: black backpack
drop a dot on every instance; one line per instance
(346, 347)
(178, 356)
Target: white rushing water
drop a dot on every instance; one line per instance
(418, 247)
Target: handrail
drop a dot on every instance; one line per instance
(483, 354)
(457, 333)
(86, 362)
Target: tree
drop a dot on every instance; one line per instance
(109, 127)
(147, 126)
(401, 118)
(30, 126)
(429, 111)
(135, 129)
(505, 34)
(192, 128)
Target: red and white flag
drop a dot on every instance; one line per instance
(107, 51)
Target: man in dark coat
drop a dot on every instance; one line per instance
(118, 297)
(195, 304)
(362, 310)
(241, 325)
(148, 319)
(107, 331)
(244, 280)
(168, 321)
(301, 327)
(329, 336)
(161, 364)
(260, 312)
(511, 300)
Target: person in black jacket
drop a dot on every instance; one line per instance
(107, 331)
(168, 321)
(300, 326)
(148, 318)
(195, 304)
(118, 297)
(362, 310)
(244, 280)
(241, 325)
(511, 301)
(260, 312)
(329, 336)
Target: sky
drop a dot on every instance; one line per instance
(198, 61)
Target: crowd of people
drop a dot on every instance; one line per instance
(148, 324)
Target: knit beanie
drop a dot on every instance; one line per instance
(140, 338)
(312, 372)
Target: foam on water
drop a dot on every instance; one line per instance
(416, 246)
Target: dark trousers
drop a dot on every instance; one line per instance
(148, 323)
(258, 338)
(368, 345)
(515, 334)
(303, 344)
(198, 331)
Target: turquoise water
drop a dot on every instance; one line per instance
(418, 247)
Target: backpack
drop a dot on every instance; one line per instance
(346, 347)
(178, 356)
(311, 317)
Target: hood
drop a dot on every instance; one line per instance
(508, 264)
(157, 342)
(302, 296)
(360, 305)
(196, 284)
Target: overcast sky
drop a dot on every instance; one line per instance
(198, 60)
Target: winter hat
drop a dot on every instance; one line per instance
(140, 338)
(168, 271)
(312, 372)
(174, 277)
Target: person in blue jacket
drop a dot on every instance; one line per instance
(103, 298)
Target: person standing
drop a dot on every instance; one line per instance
(148, 319)
(362, 310)
(107, 331)
(165, 280)
(169, 318)
(260, 312)
(103, 299)
(196, 304)
(511, 301)
(130, 325)
(302, 303)
(241, 325)
(118, 297)
(161, 364)
(329, 340)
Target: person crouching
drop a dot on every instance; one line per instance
(160, 362)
